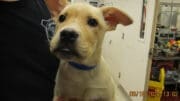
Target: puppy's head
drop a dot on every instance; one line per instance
(80, 30)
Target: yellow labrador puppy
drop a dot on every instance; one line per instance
(83, 74)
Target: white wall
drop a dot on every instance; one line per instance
(129, 56)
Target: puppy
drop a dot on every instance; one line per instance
(83, 74)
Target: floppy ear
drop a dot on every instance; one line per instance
(56, 6)
(114, 16)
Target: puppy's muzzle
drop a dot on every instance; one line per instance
(68, 36)
(66, 46)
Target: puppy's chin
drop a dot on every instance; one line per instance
(71, 53)
(66, 54)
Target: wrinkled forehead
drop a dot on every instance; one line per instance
(82, 10)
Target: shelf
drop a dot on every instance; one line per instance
(170, 4)
(166, 58)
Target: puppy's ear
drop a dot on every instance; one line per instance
(114, 16)
(56, 6)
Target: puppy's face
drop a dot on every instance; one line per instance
(80, 30)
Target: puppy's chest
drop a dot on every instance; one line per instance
(76, 83)
(80, 87)
(83, 79)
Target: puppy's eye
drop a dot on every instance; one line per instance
(92, 22)
(62, 18)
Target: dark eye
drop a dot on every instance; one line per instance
(62, 18)
(92, 22)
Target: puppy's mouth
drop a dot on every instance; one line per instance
(66, 52)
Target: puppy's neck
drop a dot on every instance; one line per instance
(94, 59)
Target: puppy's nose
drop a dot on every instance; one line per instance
(68, 35)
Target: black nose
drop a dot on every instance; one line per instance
(68, 35)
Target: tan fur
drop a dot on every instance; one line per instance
(55, 6)
(97, 84)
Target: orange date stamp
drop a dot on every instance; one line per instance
(153, 93)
